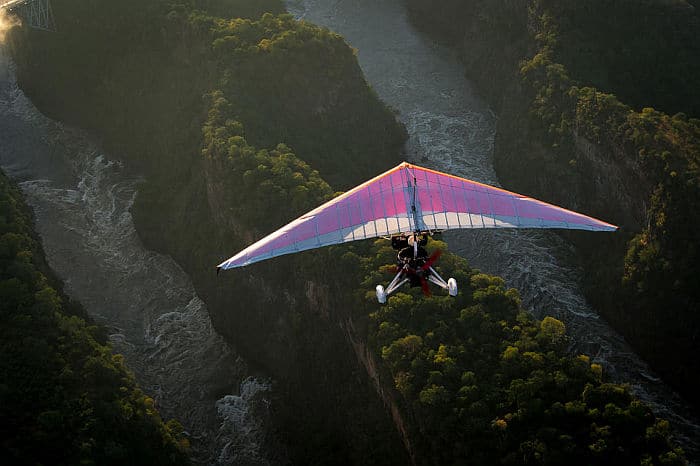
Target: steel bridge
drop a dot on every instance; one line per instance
(36, 14)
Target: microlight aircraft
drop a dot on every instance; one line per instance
(406, 205)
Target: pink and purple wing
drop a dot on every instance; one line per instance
(409, 198)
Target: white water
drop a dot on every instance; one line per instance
(451, 129)
(81, 201)
(242, 430)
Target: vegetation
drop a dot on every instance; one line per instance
(174, 104)
(266, 66)
(485, 381)
(646, 53)
(264, 178)
(661, 260)
(64, 397)
(616, 158)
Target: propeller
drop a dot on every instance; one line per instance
(432, 259)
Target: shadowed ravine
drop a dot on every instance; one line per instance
(81, 202)
(451, 129)
(81, 199)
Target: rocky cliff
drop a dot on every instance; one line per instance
(583, 148)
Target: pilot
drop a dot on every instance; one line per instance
(406, 256)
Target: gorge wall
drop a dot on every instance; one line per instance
(65, 398)
(580, 146)
(327, 406)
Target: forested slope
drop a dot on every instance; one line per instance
(152, 104)
(602, 150)
(241, 124)
(485, 383)
(64, 397)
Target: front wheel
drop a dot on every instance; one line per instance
(452, 287)
(381, 294)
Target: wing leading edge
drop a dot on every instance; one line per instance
(410, 198)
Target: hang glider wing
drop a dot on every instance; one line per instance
(409, 198)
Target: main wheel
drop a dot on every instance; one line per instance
(381, 295)
(452, 287)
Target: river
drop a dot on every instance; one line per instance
(452, 129)
(81, 200)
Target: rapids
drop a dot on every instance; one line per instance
(81, 200)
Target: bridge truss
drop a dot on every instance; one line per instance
(36, 14)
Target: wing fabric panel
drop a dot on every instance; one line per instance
(384, 206)
(448, 202)
(375, 208)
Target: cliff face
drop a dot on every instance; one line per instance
(287, 318)
(383, 386)
(495, 38)
(597, 179)
(584, 149)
